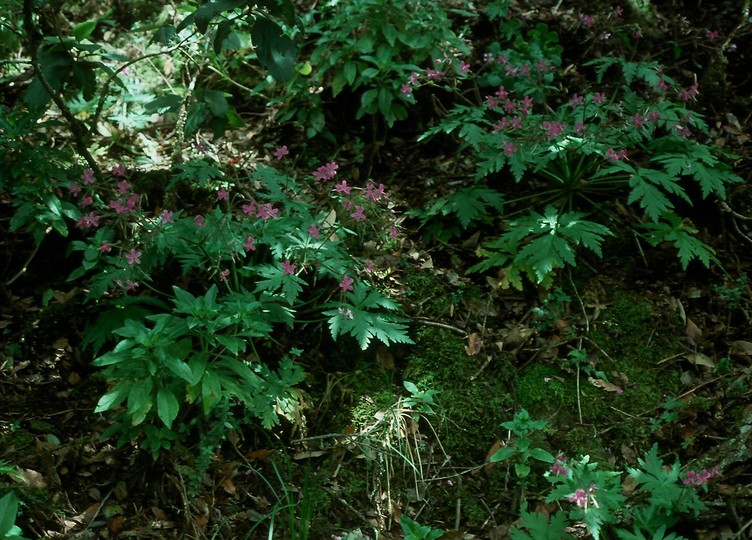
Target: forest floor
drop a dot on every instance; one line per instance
(676, 346)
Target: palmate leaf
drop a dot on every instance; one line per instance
(681, 235)
(556, 238)
(362, 317)
(538, 527)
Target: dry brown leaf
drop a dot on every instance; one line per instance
(609, 387)
(34, 479)
(741, 348)
(488, 466)
(693, 332)
(474, 344)
(700, 359)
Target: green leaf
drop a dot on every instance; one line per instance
(521, 469)
(502, 454)
(211, 390)
(540, 528)
(274, 49)
(541, 455)
(167, 406)
(8, 511)
(113, 398)
(84, 29)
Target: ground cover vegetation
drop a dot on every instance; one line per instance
(375, 269)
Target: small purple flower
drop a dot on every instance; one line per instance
(88, 177)
(281, 152)
(249, 208)
(288, 268)
(346, 284)
(133, 256)
(123, 187)
(358, 215)
(167, 216)
(267, 211)
(223, 195)
(313, 231)
(342, 187)
(249, 244)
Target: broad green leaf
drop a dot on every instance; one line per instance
(113, 398)
(274, 49)
(8, 511)
(502, 454)
(84, 29)
(167, 406)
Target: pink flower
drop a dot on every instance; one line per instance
(393, 232)
(281, 152)
(313, 231)
(167, 216)
(358, 215)
(86, 201)
(222, 195)
(613, 157)
(123, 187)
(509, 149)
(575, 100)
(89, 220)
(599, 97)
(553, 129)
(118, 206)
(288, 268)
(695, 478)
(267, 211)
(373, 193)
(326, 172)
(198, 220)
(618, 11)
(464, 67)
(689, 93)
(346, 284)
(588, 21)
(541, 65)
(88, 177)
(224, 274)
(579, 127)
(131, 202)
(712, 35)
(492, 102)
(75, 189)
(558, 469)
(406, 90)
(413, 78)
(638, 120)
(133, 256)
(526, 104)
(434, 74)
(501, 93)
(249, 244)
(118, 170)
(343, 187)
(105, 247)
(578, 497)
(249, 209)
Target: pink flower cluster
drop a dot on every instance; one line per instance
(695, 478)
(582, 497)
